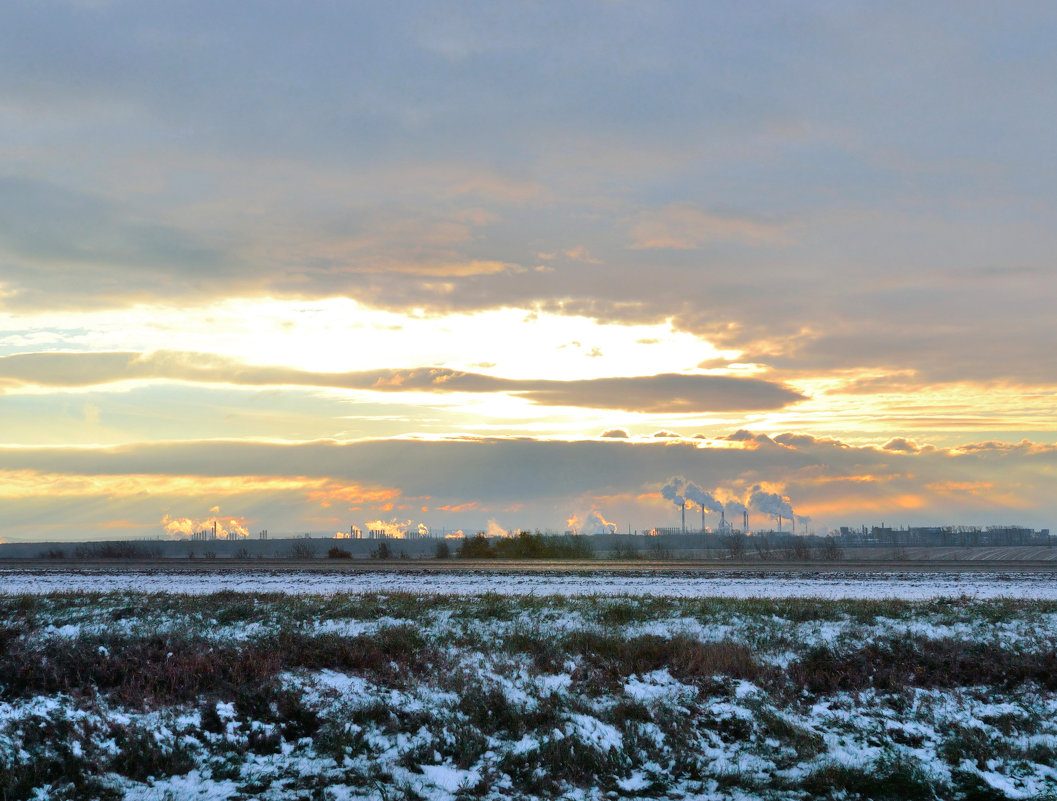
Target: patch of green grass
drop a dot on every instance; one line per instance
(896, 662)
(972, 743)
(57, 755)
(141, 756)
(891, 778)
(806, 744)
(561, 762)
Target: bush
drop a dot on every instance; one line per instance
(338, 553)
(476, 547)
(527, 545)
(443, 551)
(303, 549)
(117, 550)
(383, 551)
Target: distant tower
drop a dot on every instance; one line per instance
(722, 519)
(745, 521)
(683, 507)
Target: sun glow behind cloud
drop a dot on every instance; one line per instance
(338, 334)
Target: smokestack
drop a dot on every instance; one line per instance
(722, 520)
(702, 519)
(745, 521)
(683, 507)
(779, 524)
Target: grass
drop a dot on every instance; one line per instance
(461, 682)
(895, 663)
(893, 777)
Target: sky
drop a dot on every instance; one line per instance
(491, 266)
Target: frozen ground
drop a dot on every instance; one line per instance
(906, 585)
(422, 696)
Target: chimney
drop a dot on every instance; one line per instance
(745, 521)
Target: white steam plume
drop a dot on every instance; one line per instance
(597, 524)
(672, 491)
(228, 528)
(770, 503)
(734, 508)
(695, 494)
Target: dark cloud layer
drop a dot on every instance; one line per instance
(665, 393)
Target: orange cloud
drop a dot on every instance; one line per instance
(18, 484)
(460, 507)
(332, 492)
(971, 487)
(844, 505)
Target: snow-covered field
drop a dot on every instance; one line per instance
(907, 584)
(389, 696)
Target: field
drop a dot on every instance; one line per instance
(835, 581)
(325, 694)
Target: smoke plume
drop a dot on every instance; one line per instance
(392, 529)
(770, 503)
(496, 530)
(695, 494)
(597, 524)
(734, 507)
(228, 528)
(672, 491)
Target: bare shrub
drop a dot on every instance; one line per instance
(830, 550)
(303, 549)
(117, 550)
(383, 551)
(734, 544)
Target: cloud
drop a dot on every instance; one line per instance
(666, 393)
(615, 433)
(580, 253)
(681, 227)
(901, 445)
(75, 244)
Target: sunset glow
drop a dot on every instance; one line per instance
(518, 267)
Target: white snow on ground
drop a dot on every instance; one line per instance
(449, 778)
(904, 585)
(415, 729)
(593, 731)
(658, 685)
